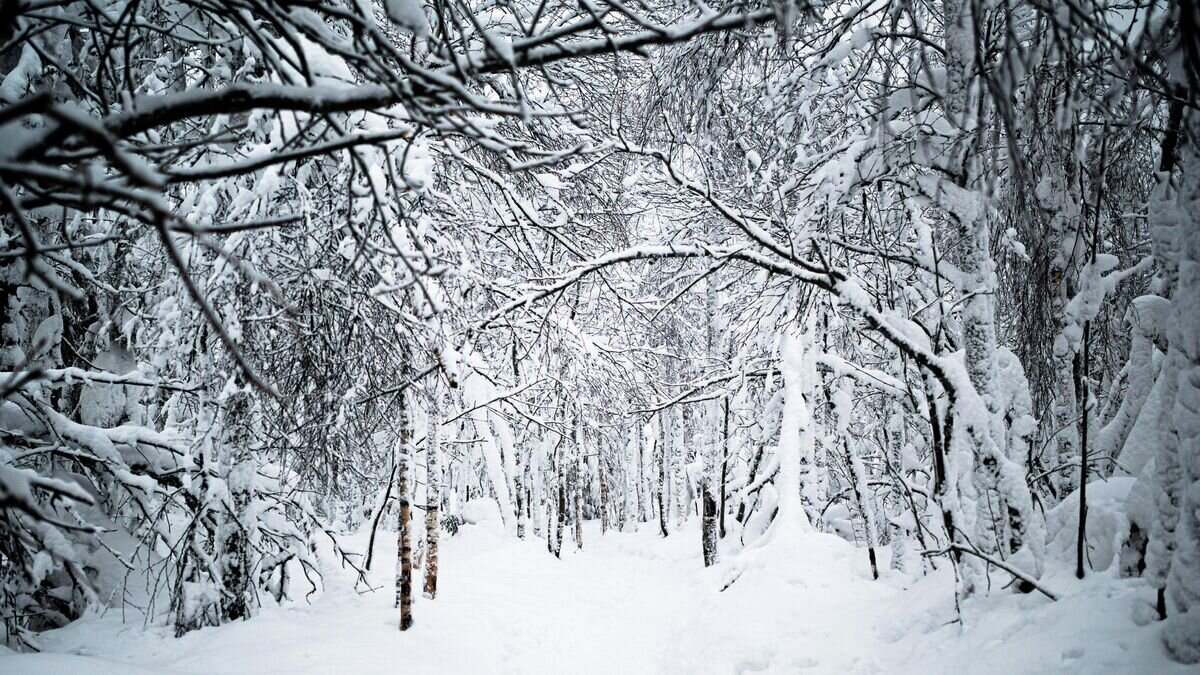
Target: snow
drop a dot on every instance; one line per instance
(795, 436)
(1107, 524)
(18, 80)
(482, 510)
(47, 336)
(1140, 445)
(409, 14)
(556, 309)
(638, 603)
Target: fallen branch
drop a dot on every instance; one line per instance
(959, 548)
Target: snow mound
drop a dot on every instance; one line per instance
(1107, 523)
(795, 557)
(480, 511)
(798, 583)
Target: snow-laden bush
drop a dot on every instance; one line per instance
(1107, 522)
(482, 511)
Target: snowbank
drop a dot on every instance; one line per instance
(481, 511)
(1107, 524)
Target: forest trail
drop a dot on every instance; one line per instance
(626, 603)
(504, 606)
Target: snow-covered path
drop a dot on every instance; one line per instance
(636, 603)
(503, 607)
(602, 613)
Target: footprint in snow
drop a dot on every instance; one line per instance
(753, 666)
(1072, 654)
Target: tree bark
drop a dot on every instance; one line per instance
(603, 493)
(433, 499)
(663, 488)
(561, 505)
(724, 463)
(404, 543)
(236, 601)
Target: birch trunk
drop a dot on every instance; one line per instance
(404, 543)
(433, 499)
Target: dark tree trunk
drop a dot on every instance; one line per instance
(724, 464)
(387, 496)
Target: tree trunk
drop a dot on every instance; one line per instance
(236, 601)
(664, 487)
(858, 484)
(433, 499)
(894, 437)
(724, 463)
(709, 442)
(387, 495)
(578, 492)
(640, 476)
(999, 487)
(520, 496)
(560, 506)
(679, 482)
(603, 493)
(404, 543)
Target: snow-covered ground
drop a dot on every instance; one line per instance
(637, 603)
